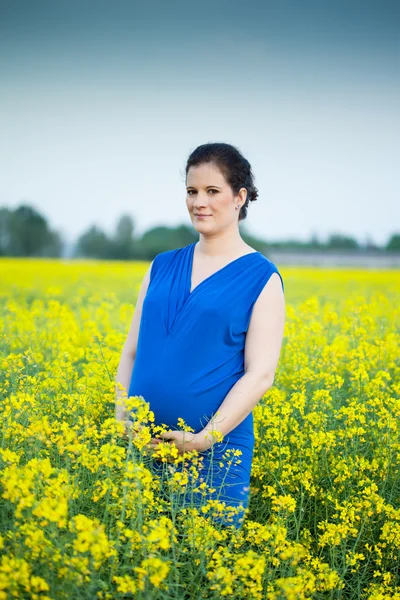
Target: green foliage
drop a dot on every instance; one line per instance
(25, 232)
(394, 243)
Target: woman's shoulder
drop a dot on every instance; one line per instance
(270, 267)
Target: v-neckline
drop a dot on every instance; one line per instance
(190, 269)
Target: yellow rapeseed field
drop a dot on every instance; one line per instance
(81, 512)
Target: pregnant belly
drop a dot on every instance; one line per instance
(169, 400)
(195, 400)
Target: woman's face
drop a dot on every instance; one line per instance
(207, 193)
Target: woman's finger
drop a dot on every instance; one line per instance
(154, 442)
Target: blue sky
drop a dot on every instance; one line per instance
(102, 102)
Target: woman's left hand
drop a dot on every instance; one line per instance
(185, 441)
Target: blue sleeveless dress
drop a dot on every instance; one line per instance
(190, 353)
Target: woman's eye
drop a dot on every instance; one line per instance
(189, 192)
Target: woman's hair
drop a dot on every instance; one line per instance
(232, 164)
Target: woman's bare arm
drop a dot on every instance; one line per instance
(128, 353)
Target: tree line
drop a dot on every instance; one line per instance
(26, 232)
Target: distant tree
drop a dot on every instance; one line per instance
(162, 238)
(185, 235)
(5, 217)
(123, 244)
(25, 232)
(393, 244)
(338, 241)
(55, 245)
(314, 241)
(93, 243)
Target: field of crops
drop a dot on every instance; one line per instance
(81, 514)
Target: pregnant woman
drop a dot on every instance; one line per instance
(207, 331)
